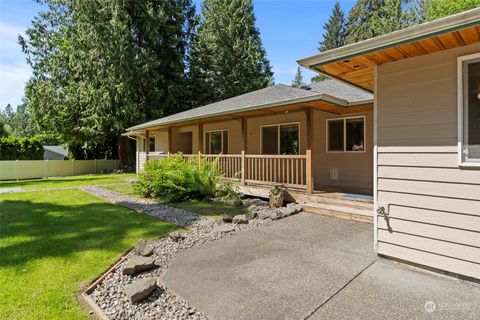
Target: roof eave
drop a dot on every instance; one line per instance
(426, 30)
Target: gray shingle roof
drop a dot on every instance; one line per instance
(57, 149)
(276, 95)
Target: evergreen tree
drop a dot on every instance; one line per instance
(334, 30)
(435, 9)
(228, 58)
(365, 20)
(101, 66)
(298, 80)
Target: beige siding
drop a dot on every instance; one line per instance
(355, 169)
(434, 206)
(161, 140)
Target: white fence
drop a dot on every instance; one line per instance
(31, 169)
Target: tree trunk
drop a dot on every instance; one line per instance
(126, 151)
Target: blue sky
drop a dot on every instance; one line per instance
(290, 29)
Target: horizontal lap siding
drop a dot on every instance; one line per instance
(433, 205)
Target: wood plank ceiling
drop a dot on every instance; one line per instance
(359, 70)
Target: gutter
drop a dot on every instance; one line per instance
(320, 96)
(423, 31)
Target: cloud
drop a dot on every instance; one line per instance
(12, 83)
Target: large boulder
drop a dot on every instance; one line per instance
(251, 215)
(277, 214)
(143, 249)
(227, 218)
(292, 208)
(238, 219)
(140, 289)
(138, 264)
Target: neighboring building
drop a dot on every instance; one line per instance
(426, 82)
(55, 153)
(414, 144)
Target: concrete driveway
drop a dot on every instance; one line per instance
(310, 266)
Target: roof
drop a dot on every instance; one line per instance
(56, 149)
(351, 63)
(276, 95)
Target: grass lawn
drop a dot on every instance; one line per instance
(52, 243)
(205, 208)
(71, 181)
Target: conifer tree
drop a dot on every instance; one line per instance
(228, 58)
(335, 30)
(298, 80)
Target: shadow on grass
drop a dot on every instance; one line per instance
(74, 181)
(36, 230)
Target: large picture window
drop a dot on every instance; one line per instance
(281, 139)
(216, 142)
(346, 134)
(469, 109)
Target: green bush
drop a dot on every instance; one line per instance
(14, 148)
(176, 179)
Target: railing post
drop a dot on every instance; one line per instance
(243, 167)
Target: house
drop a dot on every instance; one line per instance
(426, 83)
(401, 122)
(55, 153)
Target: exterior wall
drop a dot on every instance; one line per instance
(254, 129)
(178, 142)
(234, 128)
(161, 140)
(433, 205)
(49, 155)
(355, 170)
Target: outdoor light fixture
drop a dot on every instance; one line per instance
(478, 95)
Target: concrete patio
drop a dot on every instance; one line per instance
(310, 266)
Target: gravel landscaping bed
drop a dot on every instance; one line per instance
(161, 304)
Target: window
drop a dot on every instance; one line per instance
(469, 110)
(280, 139)
(346, 134)
(151, 141)
(216, 142)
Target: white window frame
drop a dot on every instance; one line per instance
(221, 139)
(461, 109)
(278, 135)
(345, 134)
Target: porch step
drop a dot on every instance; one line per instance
(348, 211)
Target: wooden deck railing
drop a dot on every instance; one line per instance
(288, 170)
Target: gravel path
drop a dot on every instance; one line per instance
(150, 207)
(162, 304)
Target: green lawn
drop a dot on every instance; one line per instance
(52, 243)
(63, 182)
(205, 208)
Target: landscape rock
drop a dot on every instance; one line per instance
(239, 219)
(292, 208)
(227, 218)
(138, 264)
(251, 215)
(277, 214)
(175, 236)
(140, 289)
(254, 201)
(222, 228)
(264, 214)
(143, 249)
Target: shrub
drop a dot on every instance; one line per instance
(177, 179)
(14, 148)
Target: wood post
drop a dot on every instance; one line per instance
(170, 147)
(200, 137)
(310, 165)
(147, 144)
(244, 150)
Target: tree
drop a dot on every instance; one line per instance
(335, 31)
(298, 80)
(102, 66)
(228, 58)
(436, 9)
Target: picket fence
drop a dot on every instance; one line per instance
(32, 169)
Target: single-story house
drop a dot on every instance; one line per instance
(400, 121)
(55, 153)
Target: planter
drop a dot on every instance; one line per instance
(277, 197)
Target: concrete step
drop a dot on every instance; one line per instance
(343, 211)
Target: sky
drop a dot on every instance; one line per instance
(290, 30)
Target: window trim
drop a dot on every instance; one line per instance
(278, 135)
(345, 134)
(205, 142)
(460, 110)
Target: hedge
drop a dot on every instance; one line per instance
(14, 148)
